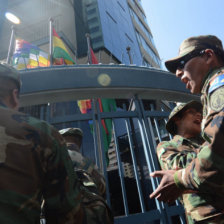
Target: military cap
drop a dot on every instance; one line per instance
(170, 126)
(71, 131)
(8, 71)
(194, 44)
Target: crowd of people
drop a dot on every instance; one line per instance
(43, 171)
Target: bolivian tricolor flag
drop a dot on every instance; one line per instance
(60, 53)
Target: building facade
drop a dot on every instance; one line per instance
(115, 26)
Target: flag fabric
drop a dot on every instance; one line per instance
(27, 55)
(105, 105)
(60, 53)
(85, 106)
(93, 57)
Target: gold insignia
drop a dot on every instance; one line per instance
(217, 100)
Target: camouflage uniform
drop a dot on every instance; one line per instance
(92, 184)
(34, 164)
(177, 154)
(205, 173)
(89, 173)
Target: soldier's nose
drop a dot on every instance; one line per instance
(179, 73)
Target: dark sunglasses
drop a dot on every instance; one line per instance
(188, 57)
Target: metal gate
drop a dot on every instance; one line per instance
(144, 98)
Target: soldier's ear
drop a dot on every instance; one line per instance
(209, 55)
(14, 101)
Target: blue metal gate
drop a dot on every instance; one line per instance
(144, 98)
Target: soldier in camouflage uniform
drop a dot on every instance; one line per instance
(35, 165)
(185, 124)
(200, 65)
(87, 171)
(34, 162)
(92, 183)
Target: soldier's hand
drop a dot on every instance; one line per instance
(167, 191)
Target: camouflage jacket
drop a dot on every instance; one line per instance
(88, 172)
(177, 154)
(34, 164)
(206, 172)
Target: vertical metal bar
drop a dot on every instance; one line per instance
(95, 137)
(153, 155)
(48, 112)
(165, 120)
(149, 159)
(129, 54)
(42, 112)
(102, 151)
(51, 40)
(99, 57)
(88, 46)
(156, 125)
(128, 126)
(121, 172)
(10, 45)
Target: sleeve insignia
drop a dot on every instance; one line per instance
(217, 100)
(216, 83)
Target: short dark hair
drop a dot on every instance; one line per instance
(6, 86)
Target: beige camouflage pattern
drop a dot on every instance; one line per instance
(34, 164)
(206, 172)
(177, 154)
(90, 175)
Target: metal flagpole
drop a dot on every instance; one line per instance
(88, 45)
(10, 44)
(51, 40)
(129, 54)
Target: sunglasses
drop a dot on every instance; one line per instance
(188, 57)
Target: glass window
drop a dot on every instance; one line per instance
(142, 26)
(91, 11)
(93, 20)
(111, 17)
(94, 29)
(120, 6)
(96, 39)
(147, 48)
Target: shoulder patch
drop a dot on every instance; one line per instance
(217, 100)
(216, 83)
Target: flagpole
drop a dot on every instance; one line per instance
(10, 44)
(88, 46)
(129, 54)
(51, 41)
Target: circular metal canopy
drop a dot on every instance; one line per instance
(65, 83)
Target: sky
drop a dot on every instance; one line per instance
(172, 21)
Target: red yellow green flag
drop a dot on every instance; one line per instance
(60, 53)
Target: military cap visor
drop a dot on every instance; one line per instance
(170, 126)
(71, 131)
(193, 44)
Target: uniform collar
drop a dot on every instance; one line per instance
(207, 78)
(196, 141)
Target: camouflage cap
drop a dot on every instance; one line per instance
(170, 126)
(8, 71)
(71, 131)
(192, 44)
